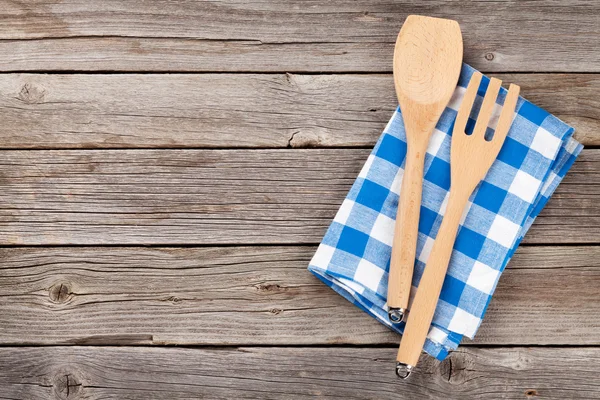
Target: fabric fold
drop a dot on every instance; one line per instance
(354, 256)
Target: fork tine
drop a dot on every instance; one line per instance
(467, 104)
(506, 116)
(483, 119)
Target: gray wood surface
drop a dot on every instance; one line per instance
(144, 145)
(238, 110)
(282, 35)
(261, 296)
(294, 373)
(219, 197)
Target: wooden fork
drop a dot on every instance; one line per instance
(470, 159)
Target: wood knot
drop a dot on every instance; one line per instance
(368, 17)
(31, 94)
(275, 311)
(454, 369)
(173, 299)
(60, 292)
(67, 386)
(269, 287)
(531, 393)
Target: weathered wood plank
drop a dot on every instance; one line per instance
(231, 110)
(294, 373)
(218, 197)
(244, 35)
(261, 295)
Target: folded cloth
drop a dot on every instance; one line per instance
(354, 256)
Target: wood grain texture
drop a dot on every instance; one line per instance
(238, 110)
(261, 295)
(217, 197)
(143, 197)
(294, 373)
(244, 35)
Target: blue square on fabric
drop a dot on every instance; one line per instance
(533, 113)
(536, 165)
(377, 252)
(361, 218)
(493, 254)
(460, 266)
(446, 121)
(417, 272)
(470, 126)
(353, 241)
(345, 262)
(452, 290)
(390, 206)
(490, 197)
(392, 149)
(513, 153)
(472, 300)
(443, 314)
(382, 172)
(426, 220)
(439, 173)
(469, 242)
(355, 188)
(514, 209)
(479, 220)
(372, 195)
(332, 235)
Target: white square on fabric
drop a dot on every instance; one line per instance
(503, 231)
(395, 187)
(495, 117)
(545, 143)
(352, 285)
(482, 277)
(525, 186)
(464, 323)
(383, 229)
(368, 274)
(436, 142)
(365, 169)
(444, 205)
(465, 212)
(322, 256)
(437, 335)
(344, 212)
(426, 250)
(457, 98)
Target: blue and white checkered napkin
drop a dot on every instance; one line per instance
(354, 256)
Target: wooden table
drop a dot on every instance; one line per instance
(168, 168)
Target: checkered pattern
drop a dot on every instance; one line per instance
(354, 256)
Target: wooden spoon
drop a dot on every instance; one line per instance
(427, 64)
(471, 156)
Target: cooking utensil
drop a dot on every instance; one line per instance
(427, 64)
(470, 159)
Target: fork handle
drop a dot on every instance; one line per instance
(430, 285)
(405, 232)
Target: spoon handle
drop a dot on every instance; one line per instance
(406, 231)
